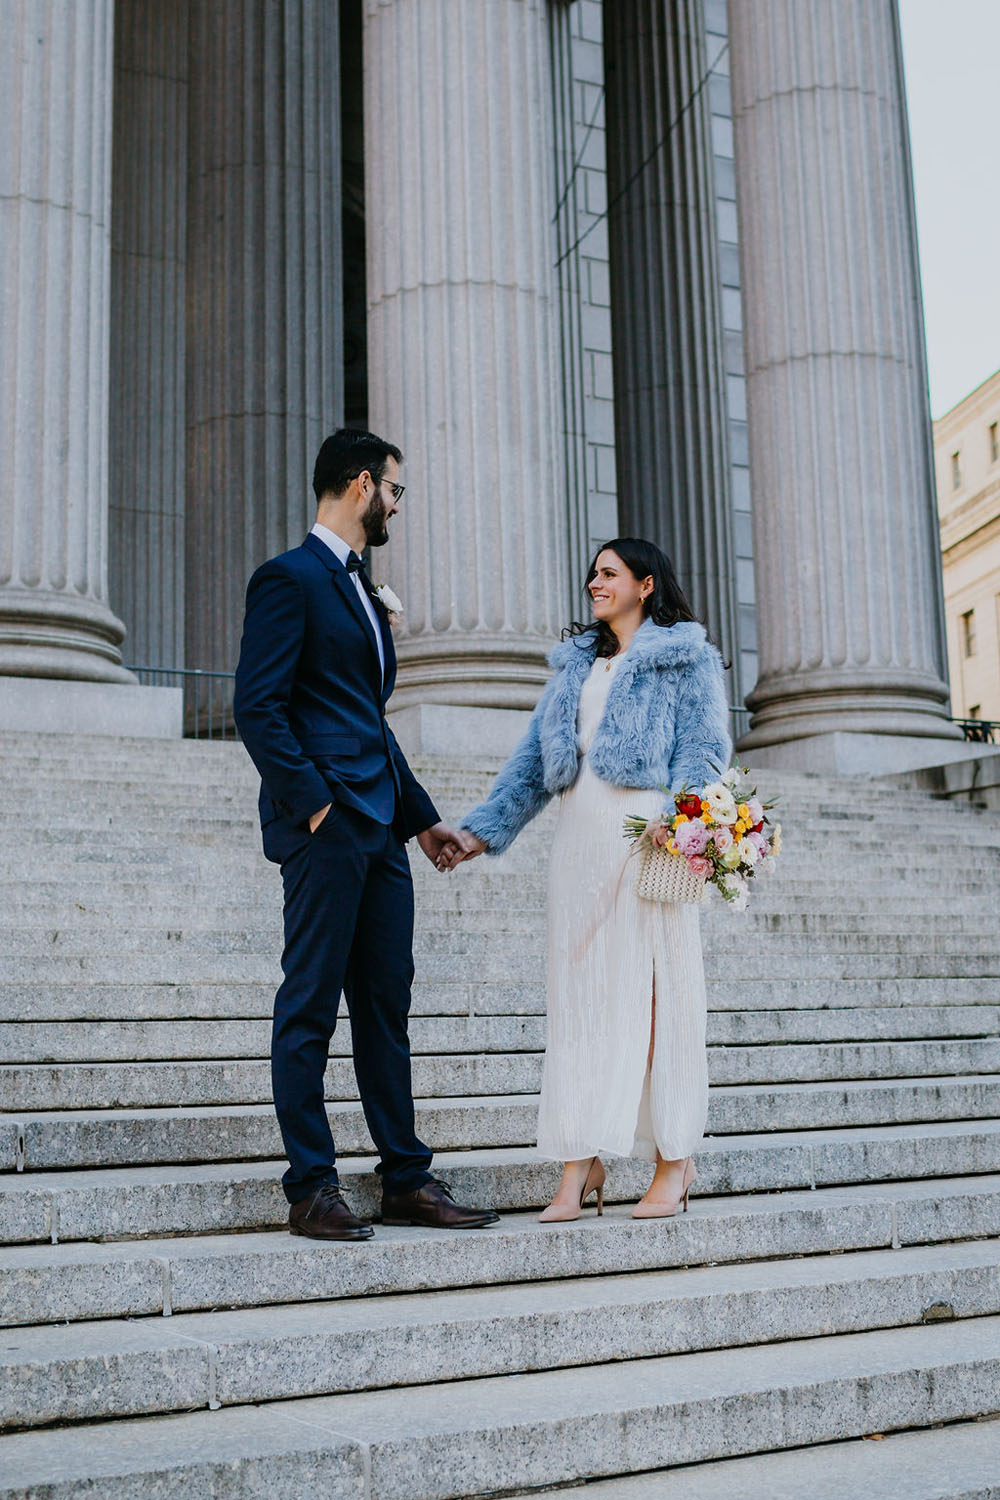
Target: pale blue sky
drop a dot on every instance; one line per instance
(951, 53)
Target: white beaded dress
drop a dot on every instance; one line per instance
(606, 948)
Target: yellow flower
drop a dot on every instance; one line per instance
(744, 813)
(671, 847)
(681, 818)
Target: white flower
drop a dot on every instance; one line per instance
(729, 779)
(735, 890)
(776, 839)
(749, 853)
(721, 803)
(389, 600)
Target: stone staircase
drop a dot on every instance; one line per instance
(826, 1318)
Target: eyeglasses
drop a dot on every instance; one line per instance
(395, 490)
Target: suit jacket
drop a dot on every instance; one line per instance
(310, 699)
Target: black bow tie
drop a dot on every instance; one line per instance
(356, 564)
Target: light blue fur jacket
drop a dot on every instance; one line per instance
(665, 723)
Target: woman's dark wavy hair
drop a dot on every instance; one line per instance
(665, 605)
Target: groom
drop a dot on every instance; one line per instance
(337, 804)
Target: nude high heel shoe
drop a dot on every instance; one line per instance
(667, 1210)
(560, 1214)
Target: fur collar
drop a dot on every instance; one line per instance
(652, 646)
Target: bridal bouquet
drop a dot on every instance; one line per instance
(718, 836)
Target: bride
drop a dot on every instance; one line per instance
(636, 704)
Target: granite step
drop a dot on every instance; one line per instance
(501, 1433)
(959, 1461)
(225, 764)
(119, 1040)
(245, 1132)
(485, 998)
(235, 961)
(190, 1082)
(175, 901)
(79, 927)
(202, 1198)
(98, 1370)
(209, 1000)
(158, 1277)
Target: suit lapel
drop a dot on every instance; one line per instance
(344, 584)
(389, 647)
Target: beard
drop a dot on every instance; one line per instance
(374, 522)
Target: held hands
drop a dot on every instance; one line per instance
(445, 847)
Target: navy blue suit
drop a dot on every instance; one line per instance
(310, 705)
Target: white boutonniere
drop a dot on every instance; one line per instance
(390, 601)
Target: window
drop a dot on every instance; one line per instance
(956, 472)
(969, 633)
(994, 443)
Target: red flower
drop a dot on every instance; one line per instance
(759, 827)
(690, 805)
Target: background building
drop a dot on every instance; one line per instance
(967, 457)
(564, 253)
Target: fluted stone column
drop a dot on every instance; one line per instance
(670, 401)
(459, 200)
(146, 566)
(55, 245)
(264, 309)
(846, 549)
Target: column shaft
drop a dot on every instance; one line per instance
(55, 195)
(458, 187)
(670, 401)
(264, 311)
(845, 539)
(146, 565)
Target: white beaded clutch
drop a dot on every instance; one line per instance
(667, 877)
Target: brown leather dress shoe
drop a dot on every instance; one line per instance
(433, 1207)
(325, 1216)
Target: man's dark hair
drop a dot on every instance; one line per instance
(346, 454)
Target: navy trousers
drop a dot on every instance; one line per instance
(348, 926)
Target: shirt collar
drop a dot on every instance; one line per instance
(336, 543)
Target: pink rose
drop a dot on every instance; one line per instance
(756, 811)
(723, 838)
(759, 842)
(691, 838)
(699, 865)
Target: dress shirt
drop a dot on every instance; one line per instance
(340, 549)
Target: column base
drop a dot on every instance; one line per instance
(842, 753)
(48, 634)
(40, 705)
(471, 670)
(458, 730)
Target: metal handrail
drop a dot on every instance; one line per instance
(208, 698)
(980, 731)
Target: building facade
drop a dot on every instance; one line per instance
(647, 267)
(967, 460)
